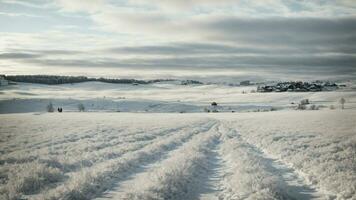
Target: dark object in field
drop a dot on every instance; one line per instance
(60, 109)
(214, 104)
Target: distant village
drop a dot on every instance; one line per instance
(299, 86)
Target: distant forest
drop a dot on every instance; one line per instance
(55, 80)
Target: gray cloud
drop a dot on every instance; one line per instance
(234, 62)
(299, 33)
(185, 49)
(57, 52)
(218, 42)
(208, 48)
(18, 56)
(44, 52)
(281, 31)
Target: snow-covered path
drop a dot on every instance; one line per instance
(211, 179)
(213, 175)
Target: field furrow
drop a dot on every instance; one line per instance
(63, 146)
(180, 178)
(91, 181)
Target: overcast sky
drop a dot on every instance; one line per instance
(179, 38)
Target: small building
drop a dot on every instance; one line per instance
(3, 81)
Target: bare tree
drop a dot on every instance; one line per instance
(342, 102)
(81, 107)
(50, 107)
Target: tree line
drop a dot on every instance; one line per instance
(55, 80)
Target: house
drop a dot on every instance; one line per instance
(3, 81)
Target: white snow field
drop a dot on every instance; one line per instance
(284, 154)
(161, 97)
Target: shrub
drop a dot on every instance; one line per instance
(50, 107)
(301, 107)
(81, 107)
(273, 109)
(314, 107)
(304, 102)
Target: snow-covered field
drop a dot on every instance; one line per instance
(161, 97)
(92, 155)
(157, 141)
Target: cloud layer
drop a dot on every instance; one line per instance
(205, 35)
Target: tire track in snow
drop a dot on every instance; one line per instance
(287, 183)
(211, 187)
(160, 173)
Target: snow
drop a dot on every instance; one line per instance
(320, 146)
(156, 142)
(160, 97)
(273, 155)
